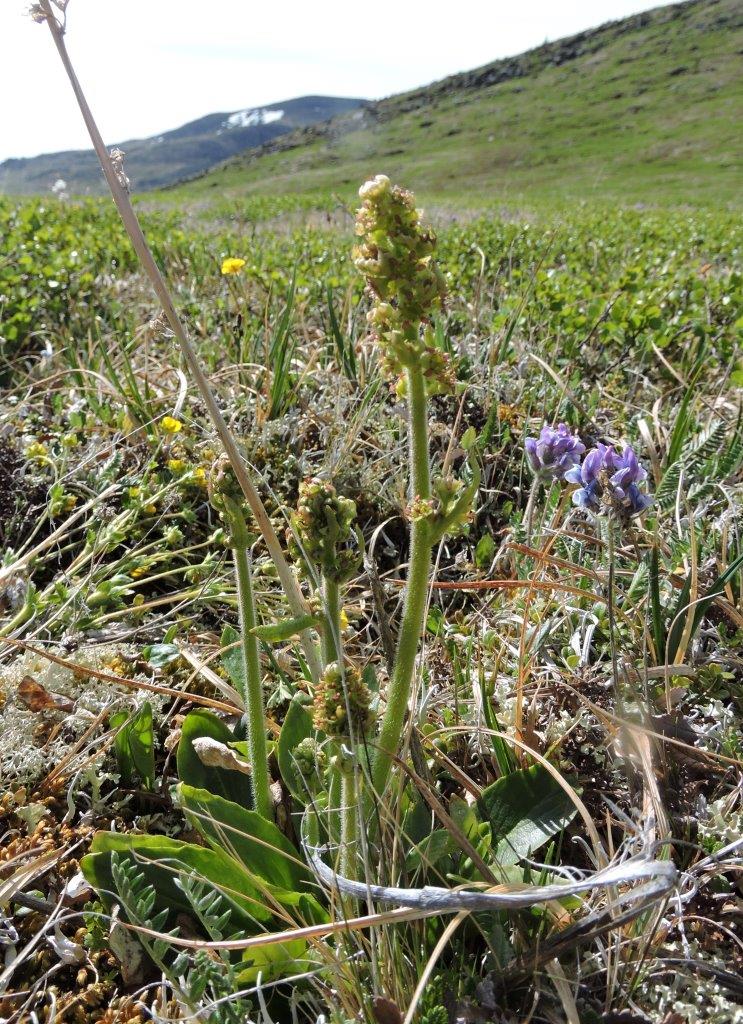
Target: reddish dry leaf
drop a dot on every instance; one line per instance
(37, 698)
(385, 1011)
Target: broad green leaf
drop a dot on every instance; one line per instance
(430, 850)
(160, 655)
(418, 819)
(525, 809)
(162, 858)
(122, 750)
(464, 817)
(485, 551)
(142, 744)
(469, 438)
(246, 835)
(134, 744)
(275, 961)
(228, 784)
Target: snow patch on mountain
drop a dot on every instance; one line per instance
(246, 118)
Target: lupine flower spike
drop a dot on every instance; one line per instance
(554, 452)
(551, 456)
(610, 481)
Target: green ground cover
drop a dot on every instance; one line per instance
(625, 324)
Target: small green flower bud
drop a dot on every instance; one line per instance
(375, 187)
(226, 496)
(450, 508)
(338, 693)
(222, 483)
(173, 536)
(324, 523)
(311, 762)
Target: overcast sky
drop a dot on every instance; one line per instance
(151, 65)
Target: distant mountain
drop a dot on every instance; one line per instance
(647, 109)
(182, 153)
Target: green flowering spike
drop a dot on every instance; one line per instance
(222, 483)
(395, 255)
(309, 756)
(325, 526)
(311, 762)
(450, 506)
(225, 495)
(337, 693)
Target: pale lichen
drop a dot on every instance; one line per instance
(35, 742)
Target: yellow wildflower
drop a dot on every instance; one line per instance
(37, 451)
(232, 265)
(171, 425)
(150, 509)
(177, 466)
(199, 476)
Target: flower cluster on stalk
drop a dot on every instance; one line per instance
(609, 480)
(395, 255)
(554, 452)
(339, 693)
(325, 526)
(449, 508)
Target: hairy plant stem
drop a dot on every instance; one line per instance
(253, 695)
(331, 638)
(530, 505)
(342, 784)
(416, 591)
(349, 819)
(139, 243)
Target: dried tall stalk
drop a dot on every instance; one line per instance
(118, 186)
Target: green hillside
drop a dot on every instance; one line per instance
(643, 110)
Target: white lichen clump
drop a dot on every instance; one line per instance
(690, 997)
(35, 742)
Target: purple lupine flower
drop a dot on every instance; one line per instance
(554, 452)
(588, 475)
(610, 480)
(626, 479)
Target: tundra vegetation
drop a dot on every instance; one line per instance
(422, 701)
